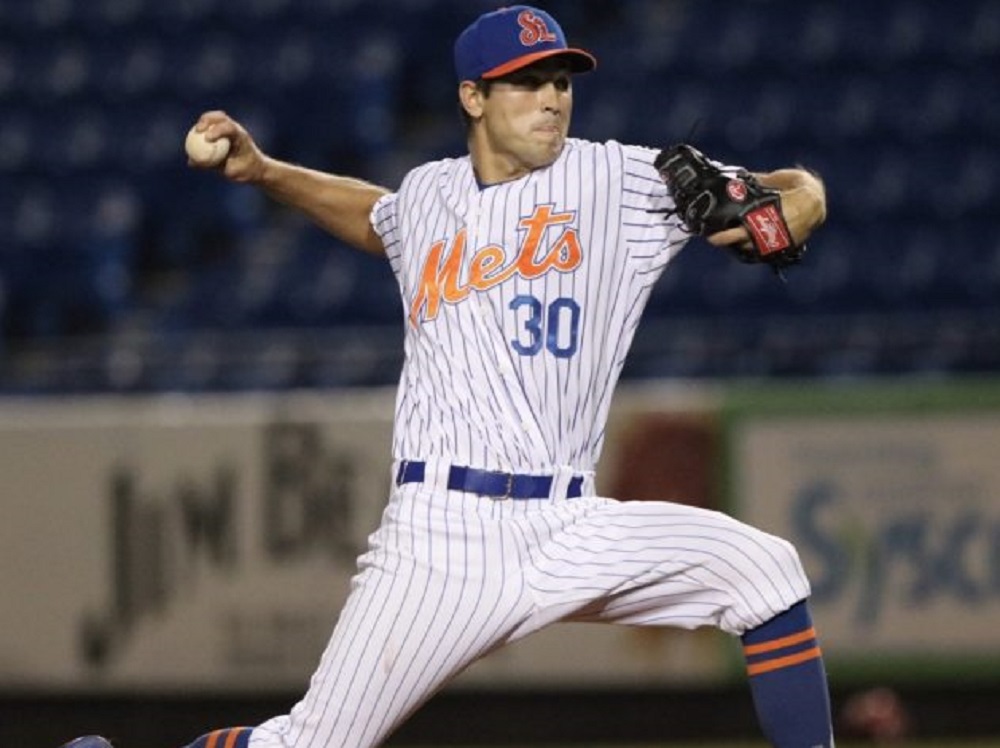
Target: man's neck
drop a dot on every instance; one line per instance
(494, 168)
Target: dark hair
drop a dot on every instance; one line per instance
(483, 86)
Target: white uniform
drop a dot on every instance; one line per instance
(521, 299)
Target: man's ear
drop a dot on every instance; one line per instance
(471, 98)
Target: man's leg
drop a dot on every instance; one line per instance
(788, 680)
(436, 591)
(655, 563)
(234, 737)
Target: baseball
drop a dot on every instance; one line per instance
(203, 152)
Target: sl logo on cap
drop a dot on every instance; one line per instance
(533, 29)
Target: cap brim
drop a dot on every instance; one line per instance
(579, 62)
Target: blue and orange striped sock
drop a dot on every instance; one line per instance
(788, 681)
(232, 737)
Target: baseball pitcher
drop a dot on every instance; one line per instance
(524, 266)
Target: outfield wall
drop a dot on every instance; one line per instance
(186, 544)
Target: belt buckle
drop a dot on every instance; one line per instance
(510, 487)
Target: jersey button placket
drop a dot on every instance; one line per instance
(480, 301)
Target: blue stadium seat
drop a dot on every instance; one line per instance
(115, 19)
(205, 66)
(289, 58)
(184, 15)
(11, 71)
(134, 68)
(31, 17)
(86, 140)
(981, 34)
(17, 141)
(151, 141)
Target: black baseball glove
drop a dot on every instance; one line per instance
(710, 198)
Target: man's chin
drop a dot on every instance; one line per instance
(548, 153)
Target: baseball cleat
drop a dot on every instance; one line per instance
(87, 741)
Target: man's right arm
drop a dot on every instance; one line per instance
(339, 205)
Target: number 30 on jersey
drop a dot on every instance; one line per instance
(553, 326)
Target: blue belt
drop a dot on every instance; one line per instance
(490, 483)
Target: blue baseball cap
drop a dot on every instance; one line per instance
(508, 39)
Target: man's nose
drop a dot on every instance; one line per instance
(548, 94)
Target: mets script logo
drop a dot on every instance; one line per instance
(452, 279)
(533, 29)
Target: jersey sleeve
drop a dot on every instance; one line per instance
(384, 220)
(650, 227)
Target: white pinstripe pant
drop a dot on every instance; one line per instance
(449, 576)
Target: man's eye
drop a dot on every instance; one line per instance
(534, 82)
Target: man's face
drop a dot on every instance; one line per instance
(527, 113)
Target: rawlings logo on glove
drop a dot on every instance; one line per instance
(710, 198)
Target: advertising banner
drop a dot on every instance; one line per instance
(182, 542)
(894, 507)
(209, 542)
(186, 543)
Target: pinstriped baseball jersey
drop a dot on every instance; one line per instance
(522, 299)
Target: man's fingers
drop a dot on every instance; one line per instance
(737, 235)
(216, 124)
